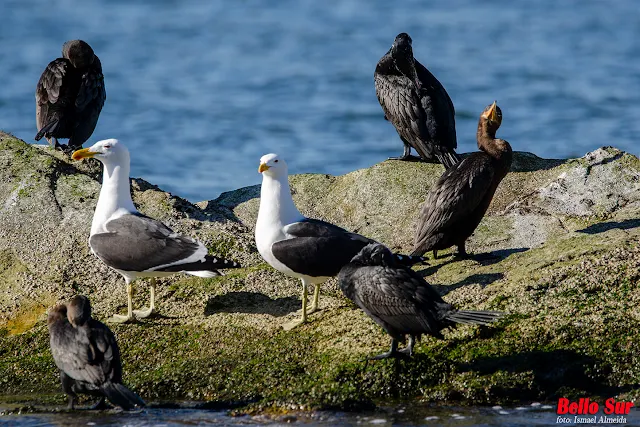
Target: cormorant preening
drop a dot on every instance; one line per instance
(417, 105)
(305, 248)
(69, 96)
(87, 355)
(400, 300)
(458, 201)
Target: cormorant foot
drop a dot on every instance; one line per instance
(119, 318)
(144, 314)
(293, 324)
(409, 158)
(101, 405)
(398, 354)
(407, 351)
(67, 149)
(462, 255)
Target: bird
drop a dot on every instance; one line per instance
(86, 353)
(459, 199)
(309, 249)
(69, 96)
(400, 300)
(417, 105)
(134, 244)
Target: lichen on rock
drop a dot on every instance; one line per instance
(563, 235)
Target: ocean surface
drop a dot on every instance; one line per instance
(200, 90)
(525, 416)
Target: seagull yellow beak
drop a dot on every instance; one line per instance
(492, 114)
(263, 167)
(83, 154)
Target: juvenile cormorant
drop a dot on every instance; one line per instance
(415, 102)
(133, 244)
(400, 300)
(69, 96)
(304, 248)
(459, 199)
(87, 355)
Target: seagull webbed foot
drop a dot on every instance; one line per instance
(293, 324)
(149, 313)
(119, 318)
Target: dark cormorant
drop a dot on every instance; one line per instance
(69, 96)
(400, 300)
(417, 105)
(87, 355)
(458, 201)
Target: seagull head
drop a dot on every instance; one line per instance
(79, 310)
(107, 151)
(273, 166)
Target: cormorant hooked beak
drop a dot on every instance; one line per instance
(263, 167)
(492, 113)
(85, 153)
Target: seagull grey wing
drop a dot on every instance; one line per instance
(403, 108)
(317, 248)
(134, 242)
(390, 296)
(458, 192)
(89, 102)
(49, 90)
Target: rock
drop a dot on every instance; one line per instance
(563, 263)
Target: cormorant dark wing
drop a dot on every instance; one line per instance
(457, 193)
(89, 102)
(107, 351)
(397, 299)
(437, 99)
(75, 354)
(317, 248)
(135, 242)
(49, 89)
(403, 108)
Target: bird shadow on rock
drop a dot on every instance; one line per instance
(483, 280)
(554, 372)
(251, 302)
(606, 226)
(494, 257)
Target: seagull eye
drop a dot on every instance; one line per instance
(276, 161)
(107, 146)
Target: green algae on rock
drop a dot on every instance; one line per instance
(563, 236)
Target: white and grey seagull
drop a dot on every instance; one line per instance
(309, 249)
(133, 244)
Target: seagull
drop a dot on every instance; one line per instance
(69, 96)
(417, 104)
(87, 355)
(133, 244)
(400, 300)
(305, 248)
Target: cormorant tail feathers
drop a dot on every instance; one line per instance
(473, 317)
(122, 396)
(47, 129)
(447, 157)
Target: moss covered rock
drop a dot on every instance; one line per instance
(562, 238)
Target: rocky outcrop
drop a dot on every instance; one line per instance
(561, 239)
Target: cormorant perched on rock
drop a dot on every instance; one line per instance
(400, 300)
(417, 105)
(133, 244)
(69, 96)
(87, 355)
(305, 248)
(458, 201)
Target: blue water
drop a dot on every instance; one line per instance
(436, 417)
(199, 90)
